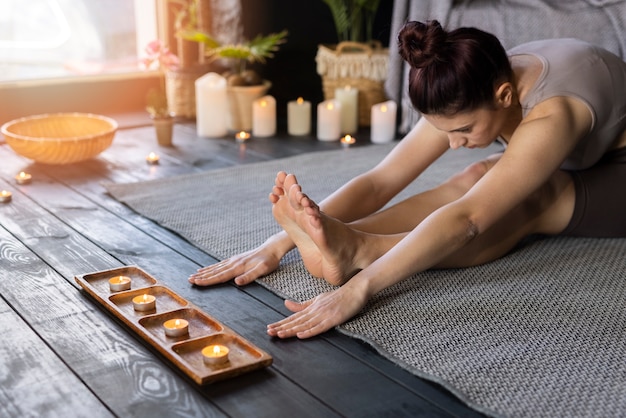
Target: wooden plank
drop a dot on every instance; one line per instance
(317, 367)
(130, 148)
(121, 372)
(33, 380)
(122, 163)
(133, 366)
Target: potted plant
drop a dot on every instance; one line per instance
(244, 84)
(357, 60)
(354, 19)
(159, 57)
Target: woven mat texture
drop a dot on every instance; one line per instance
(538, 333)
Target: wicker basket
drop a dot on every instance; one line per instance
(180, 88)
(355, 64)
(60, 138)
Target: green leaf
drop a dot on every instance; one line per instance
(197, 36)
(353, 18)
(263, 47)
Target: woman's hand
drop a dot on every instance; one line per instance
(321, 313)
(244, 268)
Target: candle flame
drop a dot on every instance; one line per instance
(177, 323)
(330, 106)
(300, 100)
(263, 103)
(348, 139)
(4, 193)
(145, 298)
(217, 350)
(383, 108)
(243, 135)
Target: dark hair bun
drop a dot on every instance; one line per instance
(420, 43)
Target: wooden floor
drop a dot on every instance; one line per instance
(61, 355)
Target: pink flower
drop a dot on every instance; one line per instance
(159, 57)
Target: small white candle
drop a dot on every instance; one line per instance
(176, 327)
(119, 283)
(299, 117)
(329, 120)
(5, 196)
(211, 106)
(152, 158)
(215, 354)
(347, 140)
(264, 116)
(242, 136)
(144, 303)
(23, 178)
(383, 122)
(349, 99)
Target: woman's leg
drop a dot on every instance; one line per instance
(407, 214)
(335, 251)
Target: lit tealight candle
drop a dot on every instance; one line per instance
(242, 136)
(5, 196)
(176, 327)
(144, 303)
(347, 140)
(215, 354)
(23, 178)
(152, 158)
(119, 283)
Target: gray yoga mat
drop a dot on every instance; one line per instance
(538, 333)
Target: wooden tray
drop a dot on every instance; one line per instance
(183, 351)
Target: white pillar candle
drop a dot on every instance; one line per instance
(264, 116)
(211, 106)
(349, 99)
(329, 120)
(299, 117)
(383, 122)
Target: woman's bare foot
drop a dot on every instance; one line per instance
(327, 246)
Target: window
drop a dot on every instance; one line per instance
(41, 39)
(54, 50)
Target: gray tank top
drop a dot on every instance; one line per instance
(597, 77)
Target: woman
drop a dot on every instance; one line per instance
(559, 108)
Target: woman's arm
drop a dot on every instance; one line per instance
(372, 190)
(535, 152)
(375, 188)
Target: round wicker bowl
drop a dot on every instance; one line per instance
(60, 138)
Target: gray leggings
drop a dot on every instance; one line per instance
(600, 208)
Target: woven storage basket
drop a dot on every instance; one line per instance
(359, 65)
(60, 138)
